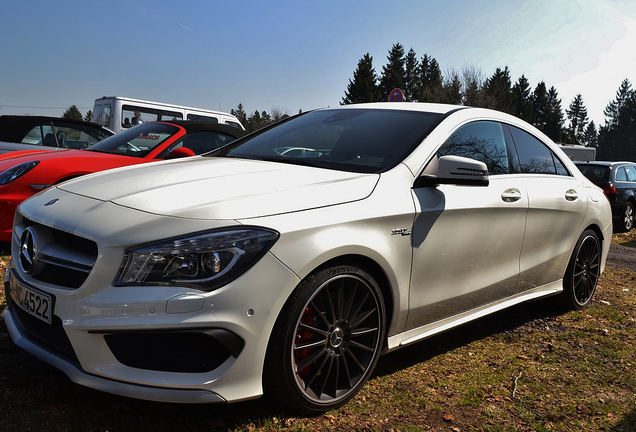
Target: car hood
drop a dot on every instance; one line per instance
(14, 158)
(221, 188)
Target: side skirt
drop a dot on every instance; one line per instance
(428, 330)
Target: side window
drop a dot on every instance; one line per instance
(534, 156)
(106, 114)
(202, 118)
(42, 134)
(233, 124)
(200, 142)
(77, 136)
(631, 173)
(34, 136)
(482, 141)
(621, 175)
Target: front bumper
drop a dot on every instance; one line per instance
(96, 342)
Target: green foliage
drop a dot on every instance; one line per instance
(89, 116)
(499, 90)
(617, 138)
(522, 99)
(577, 116)
(72, 113)
(258, 120)
(393, 74)
(364, 87)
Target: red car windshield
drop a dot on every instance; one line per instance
(138, 141)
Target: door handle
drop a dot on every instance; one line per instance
(511, 195)
(571, 195)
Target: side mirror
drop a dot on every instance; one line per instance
(455, 170)
(180, 152)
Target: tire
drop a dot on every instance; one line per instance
(326, 340)
(626, 221)
(583, 271)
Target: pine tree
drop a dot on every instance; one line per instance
(89, 116)
(430, 81)
(616, 139)
(452, 90)
(499, 90)
(72, 113)
(590, 137)
(411, 76)
(540, 107)
(613, 109)
(555, 119)
(364, 86)
(522, 99)
(577, 116)
(393, 74)
(240, 114)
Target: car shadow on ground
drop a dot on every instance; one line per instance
(532, 315)
(32, 381)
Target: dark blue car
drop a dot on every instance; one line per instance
(618, 181)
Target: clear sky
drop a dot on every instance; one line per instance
(295, 54)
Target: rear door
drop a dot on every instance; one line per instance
(557, 203)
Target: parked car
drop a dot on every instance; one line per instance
(218, 278)
(51, 133)
(23, 174)
(618, 181)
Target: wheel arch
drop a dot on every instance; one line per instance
(377, 272)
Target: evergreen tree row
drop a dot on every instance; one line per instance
(421, 80)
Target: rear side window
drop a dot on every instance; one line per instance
(534, 156)
(630, 170)
(482, 141)
(596, 173)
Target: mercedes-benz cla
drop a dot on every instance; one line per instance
(219, 277)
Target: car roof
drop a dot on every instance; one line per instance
(192, 126)
(603, 163)
(13, 128)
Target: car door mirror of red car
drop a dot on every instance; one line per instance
(455, 170)
(180, 152)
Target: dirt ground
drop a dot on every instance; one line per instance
(622, 257)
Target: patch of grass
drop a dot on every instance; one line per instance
(625, 239)
(533, 367)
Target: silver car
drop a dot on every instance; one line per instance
(221, 277)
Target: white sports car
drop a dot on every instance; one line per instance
(216, 278)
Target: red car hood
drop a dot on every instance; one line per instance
(62, 164)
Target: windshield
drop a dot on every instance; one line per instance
(357, 140)
(138, 141)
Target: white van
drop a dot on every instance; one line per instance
(579, 153)
(120, 113)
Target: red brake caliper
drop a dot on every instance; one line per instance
(303, 336)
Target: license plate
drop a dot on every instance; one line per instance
(36, 303)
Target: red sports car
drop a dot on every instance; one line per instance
(24, 173)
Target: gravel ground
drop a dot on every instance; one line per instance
(622, 257)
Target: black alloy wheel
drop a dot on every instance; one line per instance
(333, 327)
(583, 271)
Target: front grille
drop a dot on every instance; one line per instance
(179, 351)
(64, 259)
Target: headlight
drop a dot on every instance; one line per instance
(203, 261)
(8, 175)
